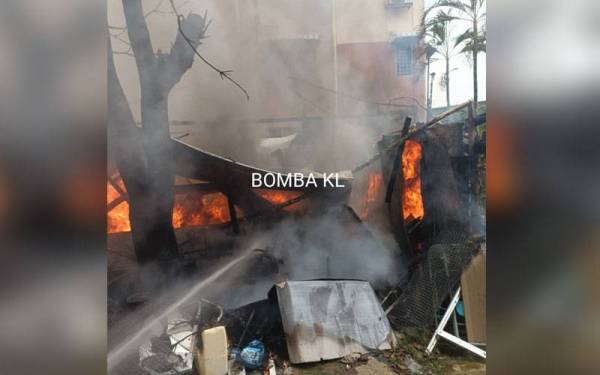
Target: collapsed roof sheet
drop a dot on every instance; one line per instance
(327, 319)
(199, 164)
(235, 179)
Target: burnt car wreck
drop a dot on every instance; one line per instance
(267, 279)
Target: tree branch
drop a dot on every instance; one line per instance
(190, 42)
(155, 9)
(181, 57)
(118, 37)
(128, 53)
(139, 36)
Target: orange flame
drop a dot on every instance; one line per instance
(277, 196)
(117, 219)
(412, 201)
(194, 209)
(190, 209)
(373, 189)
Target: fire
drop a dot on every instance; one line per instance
(373, 189)
(117, 219)
(412, 201)
(190, 209)
(277, 196)
(194, 209)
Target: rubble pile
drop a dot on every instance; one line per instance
(318, 321)
(300, 322)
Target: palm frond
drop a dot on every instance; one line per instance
(428, 50)
(453, 4)
(443, 17)
(467, 36)
(470, 46)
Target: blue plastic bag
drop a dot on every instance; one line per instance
(253, 355)
(234, 353)
(460, 309)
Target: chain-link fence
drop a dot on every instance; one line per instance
(432, 280)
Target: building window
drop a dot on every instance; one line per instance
(398, 3)
(404, 61)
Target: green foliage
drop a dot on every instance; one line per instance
(472, 41)
(471, 11)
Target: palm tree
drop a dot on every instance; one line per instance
(429, 52)
(437, 32)
(473, 40)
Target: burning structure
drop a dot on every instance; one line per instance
(179, 211)
(434, 209)
(417, 189)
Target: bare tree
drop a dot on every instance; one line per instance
(143, 154)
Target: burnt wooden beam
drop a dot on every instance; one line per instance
(203, 187)
(401, 139)
(279, 207)
(394, 201)
(233, 215)
(122, 194)
(394, 174)
(472, 163)
(116, 186)
(115, 202)
(397, 162)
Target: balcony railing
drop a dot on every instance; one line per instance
(398, 3)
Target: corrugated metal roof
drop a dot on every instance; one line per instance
(327, 319)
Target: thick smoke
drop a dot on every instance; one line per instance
(332, 245)
(328, 247)
(283, 54)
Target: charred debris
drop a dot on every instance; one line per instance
(417, 201)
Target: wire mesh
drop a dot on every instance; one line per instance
(433, 280)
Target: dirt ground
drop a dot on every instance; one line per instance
(375, 366)
(407, 358)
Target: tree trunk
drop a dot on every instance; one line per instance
(151, 201)
(427, 78)
(147, 176)
(475, 47)
(448, 82)
(151, 208)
